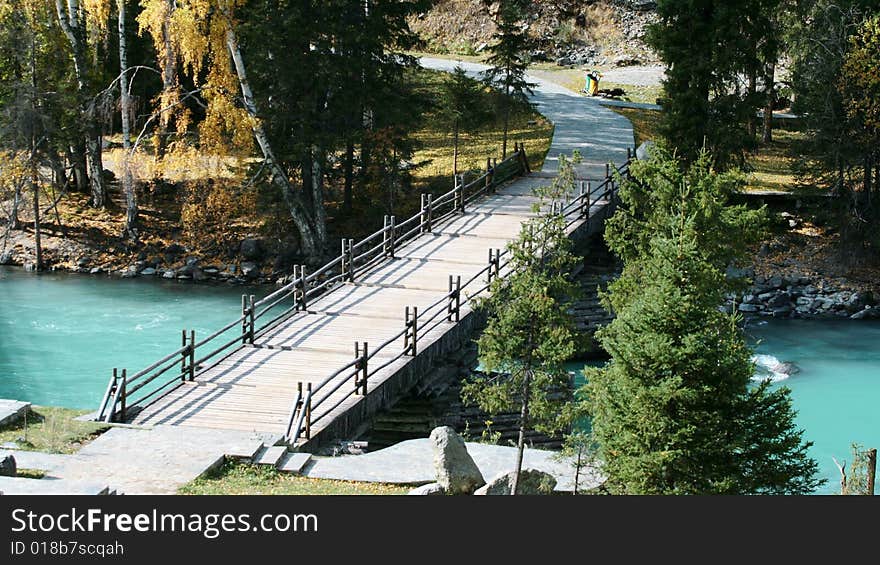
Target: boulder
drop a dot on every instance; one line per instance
(430, 489)
(531, 481)
(251, 248)
(148, 272)
(455, 470)
(644, 150)
(7, 466)
(6, 258)
(250, 269)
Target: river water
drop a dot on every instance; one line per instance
(61, 335)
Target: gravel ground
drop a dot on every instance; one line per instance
(638, 75)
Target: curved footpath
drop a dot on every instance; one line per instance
(161, 457)
(583, 124)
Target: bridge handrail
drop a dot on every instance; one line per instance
(422, 319)
(118, 389)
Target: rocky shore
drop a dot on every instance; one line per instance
(799, 296)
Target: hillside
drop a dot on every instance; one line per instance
(567, 32)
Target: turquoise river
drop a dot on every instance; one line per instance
(61, 335)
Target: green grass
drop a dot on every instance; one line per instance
(245, 478)
(51, 429)
(435, 144)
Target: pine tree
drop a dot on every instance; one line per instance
(530, 332)
(508, 62)
(707, 45)
(673, 412)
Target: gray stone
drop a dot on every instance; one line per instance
(12, 410)
(531, 481)
(7, 466)
(6, 258)
(169, 275)
(250, 270)
(148, 272)
(95, 270)
(868, 313)
(748, 308)
(429, 489)
(779, 300)
(455, 469)
(782, 311)
(644, 150)
(776, 282)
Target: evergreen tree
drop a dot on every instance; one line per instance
(530, 332)
(832, 64)
(508, 62)
(673, 411)
(708, 45)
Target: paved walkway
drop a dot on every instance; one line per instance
(134, 461)
(412, 462)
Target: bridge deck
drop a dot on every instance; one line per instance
(253, 389)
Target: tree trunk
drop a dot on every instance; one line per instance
(521, 441)
(320, 213)
(349, 177)
(506, 122)
(131, 205)
(77, 157)
(68, 19)
(455, 149)
(14, 222)
(872, 470)
(299, 214)
(169, 79)
(752, 90)
(770, 80)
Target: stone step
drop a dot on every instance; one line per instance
(294, 462)
(270, 455)
(24, 486)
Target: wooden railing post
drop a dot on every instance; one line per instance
(343, 263)
(184, 356)
(251, 319)
(112, 396)
(490, 177)
(192, 353)
(429, 213)
(411, 336)
(347, 260)
(308, 408)
(122, 396)
(392, 225)
(607, 170)
(301, 288)
(454, 300)
(244, 319)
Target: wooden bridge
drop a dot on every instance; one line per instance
(319, 356)
(315, 359)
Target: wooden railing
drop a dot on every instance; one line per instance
(309, 410)
(125, 392)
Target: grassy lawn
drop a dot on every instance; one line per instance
(435, 144)
(52, 430)
(245, 478)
